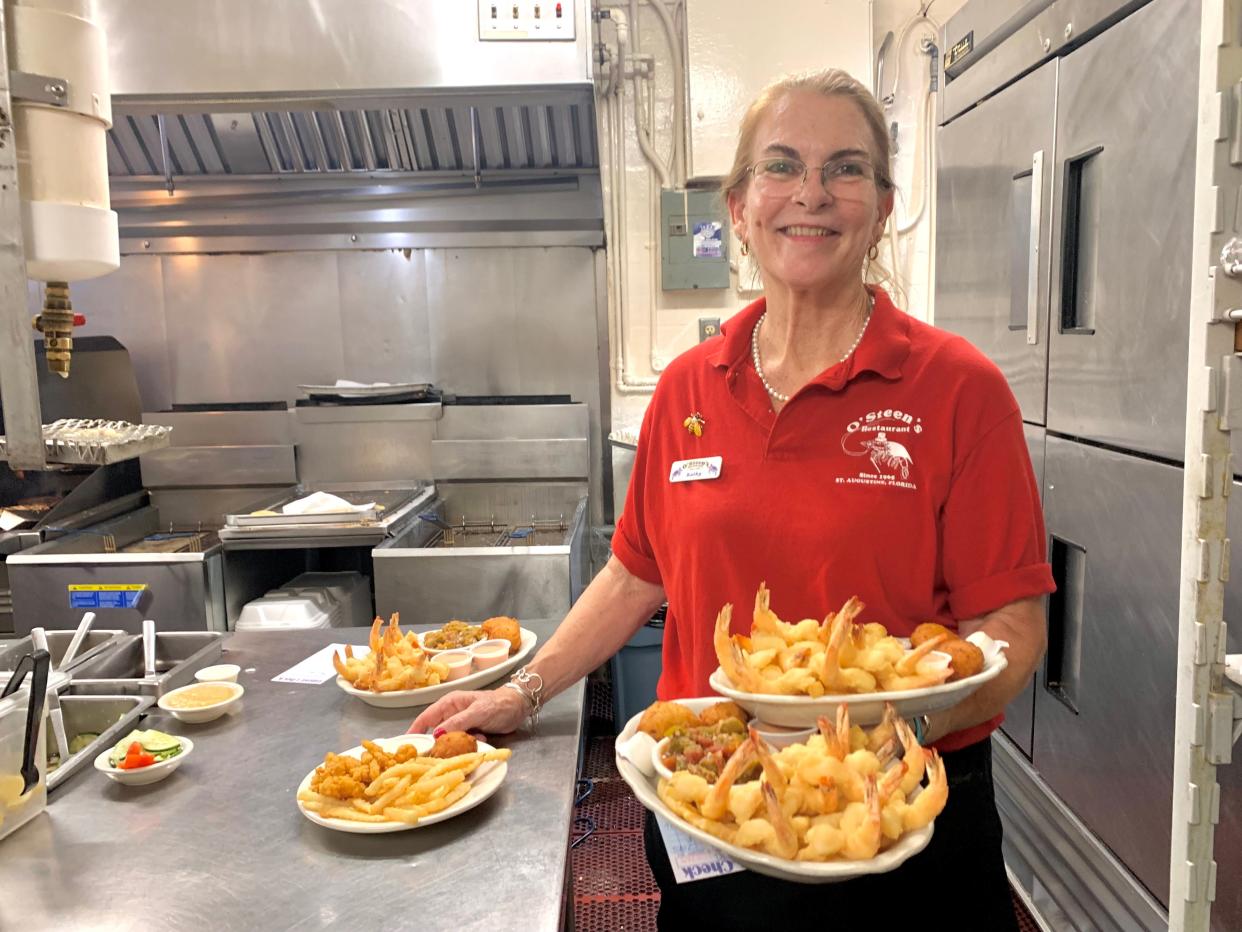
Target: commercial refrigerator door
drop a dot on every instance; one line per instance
(1126, 106)
(1227, 908)
(1104, 709)
(1020, 714)
(994, 195)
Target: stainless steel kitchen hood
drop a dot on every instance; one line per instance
(348, 88)
(537, 130)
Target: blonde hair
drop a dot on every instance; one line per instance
(830, 82)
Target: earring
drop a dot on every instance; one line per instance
(873, 253)
(745, 248)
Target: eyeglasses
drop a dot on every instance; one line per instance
(782, 175)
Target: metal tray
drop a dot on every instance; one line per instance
(94, 442)
(387, 502)
(365, 391)
(97, 641)
(111, 716)
(119, 672)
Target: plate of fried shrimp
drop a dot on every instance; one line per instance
(846, 802)
(394, 671)
(790, 674)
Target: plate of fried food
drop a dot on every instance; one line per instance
(395, 671)
(395, 784)
(792, 673)
(846, 802)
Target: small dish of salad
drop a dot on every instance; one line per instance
(143, 757)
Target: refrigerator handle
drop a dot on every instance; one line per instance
(1079, 246)
(1063, 662)
(1032, 255)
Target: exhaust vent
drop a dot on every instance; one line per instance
(402, 139)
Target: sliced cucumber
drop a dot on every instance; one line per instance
(156, 742)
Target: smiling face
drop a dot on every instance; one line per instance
(809, 238)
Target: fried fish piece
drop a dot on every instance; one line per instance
(453, 744)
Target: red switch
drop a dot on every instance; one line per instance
(559, 11)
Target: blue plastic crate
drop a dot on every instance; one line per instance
(636, 671)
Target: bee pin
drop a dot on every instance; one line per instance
(695, 424)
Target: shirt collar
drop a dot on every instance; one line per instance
(884, 347)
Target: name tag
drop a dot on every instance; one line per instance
(694, 470)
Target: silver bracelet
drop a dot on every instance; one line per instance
(530, 687)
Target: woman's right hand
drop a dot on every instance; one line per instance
(493, 712)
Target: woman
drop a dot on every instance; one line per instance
(860, 452)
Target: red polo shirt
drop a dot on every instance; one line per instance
(900, 476)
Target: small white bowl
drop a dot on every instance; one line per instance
(205, 713)
(657, 759)
(459, 662)
(220, 673)
(779, 736)
(144, 775)
(490, 653)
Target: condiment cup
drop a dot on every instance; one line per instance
(459, 662)
(490, 653)
(220, 673)
(144, 775)
(205, 713)
(779, 736)
(657, 759)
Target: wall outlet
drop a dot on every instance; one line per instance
(708, 328)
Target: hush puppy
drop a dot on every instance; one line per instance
(661, 717)
(722, 710)
(502, 626)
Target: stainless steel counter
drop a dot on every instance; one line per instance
(221, 844)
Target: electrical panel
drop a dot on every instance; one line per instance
(693, 240)
(526, 21)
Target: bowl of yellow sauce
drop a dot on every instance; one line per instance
(201, 702)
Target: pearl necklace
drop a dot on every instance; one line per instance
(754, 349)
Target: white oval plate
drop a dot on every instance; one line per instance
(865, 708)
(798, 871)
(484, 781)
(409, 698)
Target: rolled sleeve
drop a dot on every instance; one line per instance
(994, 548)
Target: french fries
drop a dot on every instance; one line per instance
(402, 791)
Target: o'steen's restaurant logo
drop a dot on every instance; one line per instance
(879, 439)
